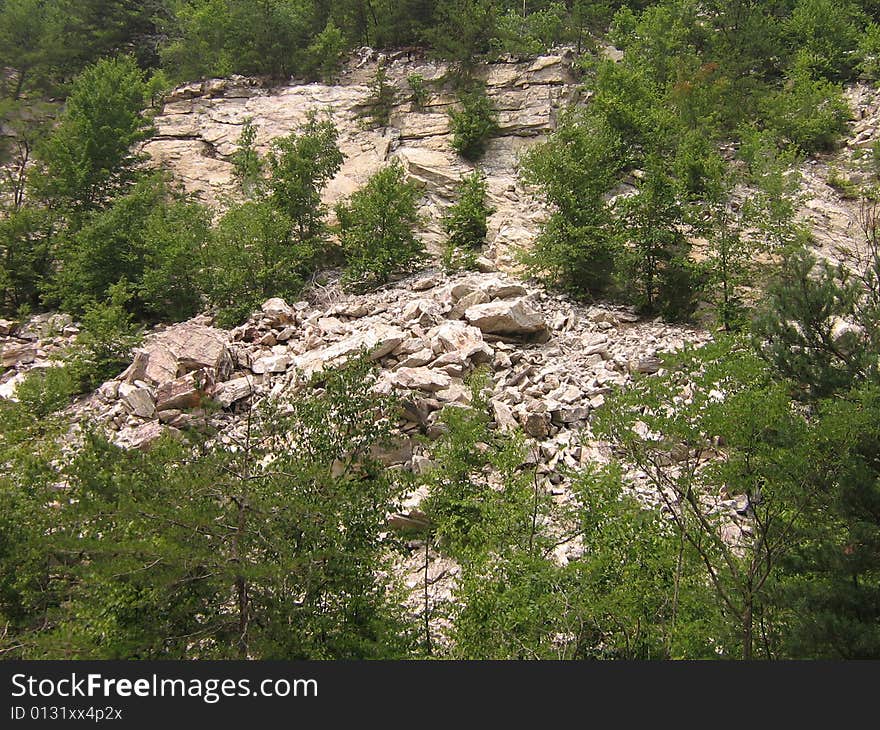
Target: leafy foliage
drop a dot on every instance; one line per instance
(150, 237)
(251, 257)
(88, 157)
(200, 553)
(473, 123)
(465, 222)
(376, 228)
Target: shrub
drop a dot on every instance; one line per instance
(300, 165)
(574, 169)
(869, 51)
(418, 90)
(249, 259)
(247, 165)
(810, 113)
(530, 35)
(46, 391)
(827, 34)
(324, 54)
(104, 346)
(88, 157)
(465, 223)
(377, 228)
(473, 123)
(150, 237)
(25, 257)
(382, 95)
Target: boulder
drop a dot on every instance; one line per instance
(181, 349)
(846, 335)
(7, 389)
(503, 317)
(15, 354)
(501, 289)
(423, 379)
(646, 365)
(424, 312)
(468, 300)
(537, 425)
(183, 392)
(140, 402)
(377, 342)
(417, 359)
(271, 364)
(503, 416)
(278, 312)
(231, 391)
(143, 437)
(463, 339)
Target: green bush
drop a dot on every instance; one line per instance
(88, 157)
(152, 238)
(247, 165)
(46, 391)
(300, 165)
(418, 90)
(827, 34)
(573, 169)
(382, 96)
(869, 51)
(465, 223)
(473, 123)
(324, 54)
(377, 225)
(25, 257)
(530, 35)
(249, 259)
(810, 113)
(104, 346)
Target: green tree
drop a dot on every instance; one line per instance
(830, 588)
(656, 251)
(323, 55)
(809, 113)
(465, 222)
(811, 330)
(25, 257)
(215, 552)
(382, 97)
(24, 27)
(377, 228)
(462, 30)
(736, 435)
(826, 35)
(250, 258)
(248, 165)
(151, 237)
(300, 165)
(104, 346)
(473, 123)
(573, 169)
(88, 158)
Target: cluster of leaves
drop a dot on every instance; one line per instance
(465, 223)
(377, 228)
(203, 551)
(473, 123)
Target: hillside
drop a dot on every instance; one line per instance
(459, 329)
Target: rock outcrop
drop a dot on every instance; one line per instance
(201, 123)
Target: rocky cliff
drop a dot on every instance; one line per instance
(201, 123)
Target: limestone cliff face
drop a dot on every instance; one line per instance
(201, 123)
